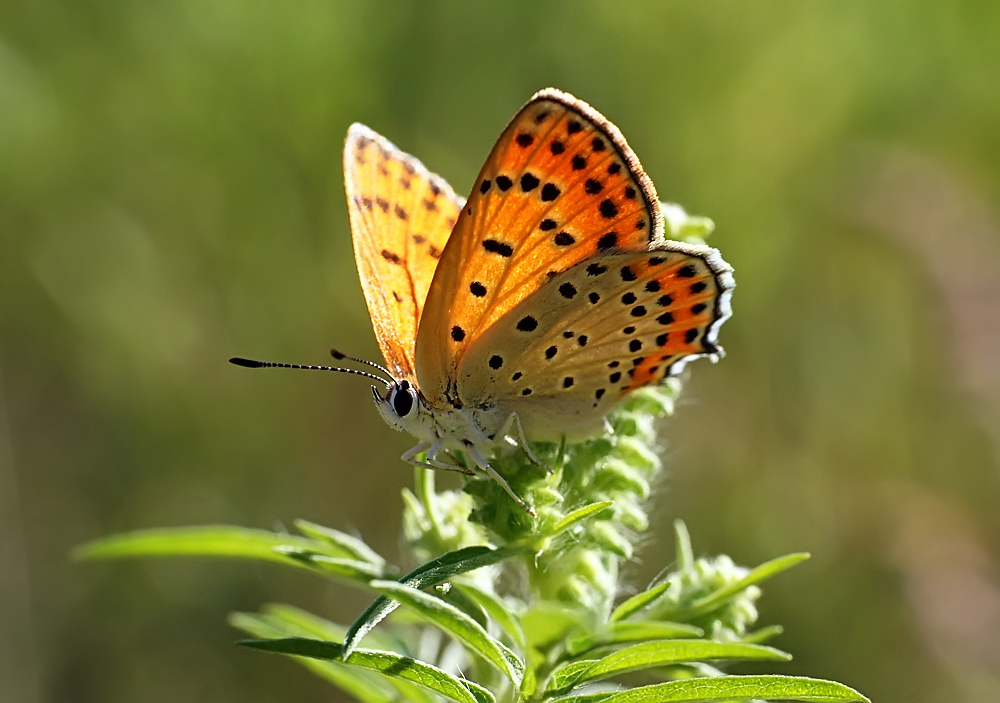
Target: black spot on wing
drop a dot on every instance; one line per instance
(607, 241)
(497, 247)
(567, 290)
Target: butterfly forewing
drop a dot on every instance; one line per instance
(401, 217)
(560, 187)
(564, 357)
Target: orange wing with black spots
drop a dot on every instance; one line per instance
(560, 187)
(562, 358)
(401, 217)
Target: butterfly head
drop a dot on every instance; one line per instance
(400, 406)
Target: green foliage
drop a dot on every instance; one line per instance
(528, 607)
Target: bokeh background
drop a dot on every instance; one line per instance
(171, 195)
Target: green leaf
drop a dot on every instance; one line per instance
(584, 697)
(630, 631)
(353, 546)
(649, 655)
(353, 569)
(726, 688)
(289, 621)
(682, 540)
(763, 572)
(639, 601)
(206, 541)
(458, 625)
(547, 623)
(433, 572)
(763, 634)
(579, 515)
(387, 663)
(496, 609)
(458, 598)
(365, 686)
(566, 676)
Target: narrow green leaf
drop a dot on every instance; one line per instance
(649, 655)
(363, 571)
(762, 635)
(365, 686)
(639, 601)
(388, 663)
(458, 598)
(496, 609)
(726, 688)
(662, 652)
(305, 624)
(458, 625)
(355, 547)
(206, 541)
(682, 540)
(433, 572)
(630, 631)
(763, 572)
(547, 623)
(289, 621)
(584, 697)
(579, 515)
(566, 676)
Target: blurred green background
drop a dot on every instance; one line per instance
(171, 195)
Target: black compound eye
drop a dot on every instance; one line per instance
(401, 398)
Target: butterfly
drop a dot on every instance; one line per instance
(525, 312)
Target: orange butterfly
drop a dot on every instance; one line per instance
(526, 312)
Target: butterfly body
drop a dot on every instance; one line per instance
(527, 311)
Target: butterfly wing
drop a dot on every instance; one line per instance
(560, 186)
(562, 358)
(401, 217)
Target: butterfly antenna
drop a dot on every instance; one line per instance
(338, 355)
(251, 364)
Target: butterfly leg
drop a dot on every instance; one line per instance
(513, 423)
(482, 464)
(409, 456)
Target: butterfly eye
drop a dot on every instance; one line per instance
(401, 398)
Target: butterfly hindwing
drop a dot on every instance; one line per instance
(562, 358)
(560, 186)
(401, 217)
